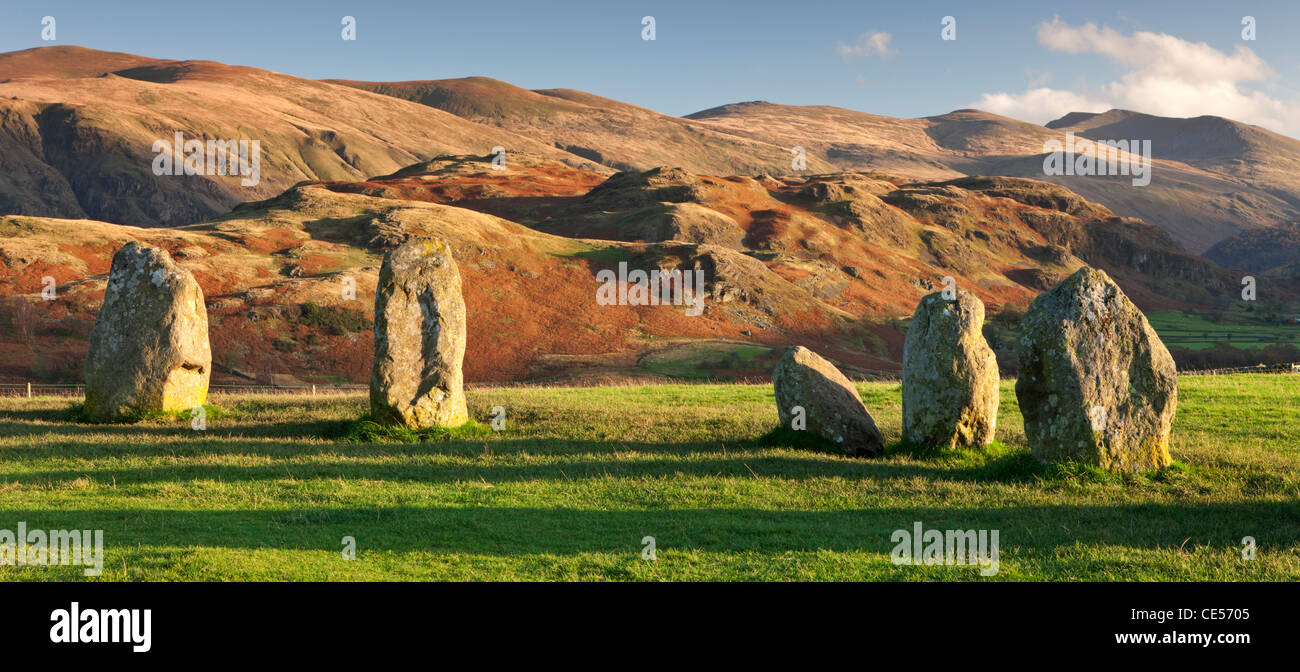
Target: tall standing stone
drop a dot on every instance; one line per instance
(416, 380)
(830, 403)
(950, 374)
(1096, 385)
(149, 348)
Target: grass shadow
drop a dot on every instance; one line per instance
(366, 430)
(559, 531)
(77, 413)
(784, 437)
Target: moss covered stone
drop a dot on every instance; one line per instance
(149, 349)
(1096, 384)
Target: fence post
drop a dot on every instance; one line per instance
(313, 390)
(29, 389)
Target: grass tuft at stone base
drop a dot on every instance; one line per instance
(77, 413)
(367, 430)
(799, 439)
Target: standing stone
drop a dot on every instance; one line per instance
(950, 374)
(149, 349)
(416, 379)
(1096, 385)
(831, 405)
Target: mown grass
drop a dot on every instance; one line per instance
(579, 476)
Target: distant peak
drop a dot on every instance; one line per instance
(967, 113)
(66, 61)
(1076, 118)
(1071, 119)
(728, 108)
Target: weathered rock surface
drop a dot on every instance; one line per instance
(638, 189)
(688, 222)
(416, 380)
(1096, 384)
(832, 407)
(950, 374)
(149, 348)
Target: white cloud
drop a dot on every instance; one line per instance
(868, 44)
(1164, 75)
(1039, 105)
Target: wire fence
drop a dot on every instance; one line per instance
(77, 390)
(35, 389)
(1291, 367)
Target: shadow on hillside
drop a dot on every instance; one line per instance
(517, 531)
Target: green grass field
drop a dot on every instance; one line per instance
(706, 359)
(580, 476)
(1195, 332)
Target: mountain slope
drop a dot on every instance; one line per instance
(606, 131)
(77, 128)
(1213, 177)
(1257, 171)
(1274, 251)
(830, 261)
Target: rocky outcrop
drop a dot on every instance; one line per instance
(686, 222)
(627, 190)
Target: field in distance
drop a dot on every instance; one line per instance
(580, 476)
(1198, 331)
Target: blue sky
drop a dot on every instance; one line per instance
(1144, 55)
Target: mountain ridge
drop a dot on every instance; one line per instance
(1213, 178)
(76, 136)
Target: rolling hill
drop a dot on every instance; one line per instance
(831, 261)
(77, 128)
(609, 132)
(834, 257)
(1213, 177)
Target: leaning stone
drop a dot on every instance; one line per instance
(831, 405)
(416, 380)
(950, 374)
(1096, 385)
(149, 348)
